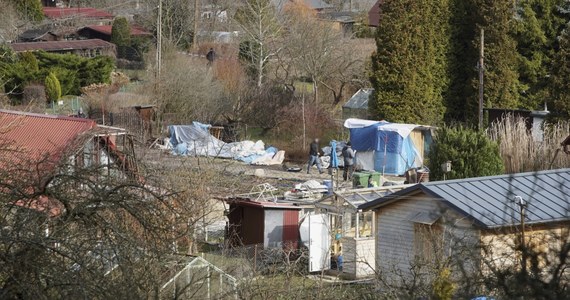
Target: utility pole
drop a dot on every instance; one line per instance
(196, 27)
(159, 40)
(481, 75)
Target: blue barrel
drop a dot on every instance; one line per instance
(329, 185)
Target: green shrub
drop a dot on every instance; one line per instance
(472, 154)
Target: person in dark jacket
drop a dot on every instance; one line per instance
(314, 156)
(348, 155)
(211, 56)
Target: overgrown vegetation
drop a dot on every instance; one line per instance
(72, 71)
(521, 152)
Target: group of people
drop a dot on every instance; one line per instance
(348, 155)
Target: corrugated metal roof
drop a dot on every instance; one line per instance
(262, 204)
(82, 12)
(37, 135)
(359, 100)
(489, 201)
(107, 29)
(61, 45)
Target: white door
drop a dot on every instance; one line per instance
(315, 235)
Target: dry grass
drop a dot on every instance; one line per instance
(521, 153)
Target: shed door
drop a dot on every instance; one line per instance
(315, 234)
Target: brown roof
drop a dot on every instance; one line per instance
(37, 135)
(62, 45)
(106, 29)
(70, 12)
(374, 14)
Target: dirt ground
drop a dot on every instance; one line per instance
(239, 178)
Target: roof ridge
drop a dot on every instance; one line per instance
(45, 116)
(502, 176)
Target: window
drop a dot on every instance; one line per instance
(428, 241)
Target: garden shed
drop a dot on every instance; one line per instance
(273, 225)
(357, 105)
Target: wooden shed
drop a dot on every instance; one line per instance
(270, 224)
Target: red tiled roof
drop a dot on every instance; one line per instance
(69, 12)
(106, 29)
(61, 45)
(38, 135)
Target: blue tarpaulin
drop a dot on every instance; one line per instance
(393, 151)
(334, 156)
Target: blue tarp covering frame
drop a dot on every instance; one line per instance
(393, 154)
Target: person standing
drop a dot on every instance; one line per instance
(314, 156)
(348, 155)
(211, 56)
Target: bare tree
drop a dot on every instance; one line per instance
(261, 29)
(78, 230)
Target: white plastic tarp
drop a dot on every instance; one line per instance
(402, 129)
(315, 235)
(196, 140)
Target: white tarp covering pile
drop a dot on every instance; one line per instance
(196, 140)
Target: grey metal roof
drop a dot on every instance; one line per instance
(359, 100)
(489, 201)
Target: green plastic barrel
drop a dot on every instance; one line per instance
(360, 180)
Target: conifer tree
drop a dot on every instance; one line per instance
(560, 83)
(409, 68)
(53, 87)
(501, 88)
(121, 36)
(538, 23)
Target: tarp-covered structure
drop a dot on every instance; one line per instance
(196, 140)
(390, 148)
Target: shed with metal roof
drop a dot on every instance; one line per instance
(264, 223)
(490, 201)
(468, 219)
(357, 105)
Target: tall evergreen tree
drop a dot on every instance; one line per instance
(501, 76)
(460, 97)
(560, 83)
(538, 24)
(409, 68)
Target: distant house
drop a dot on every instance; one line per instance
(38, 35)
(343, 21)
(452, 219)
(374, 14)
(84, 14)
(316, 5)
(103, 32)
(86, 48)
(44, 142)
(357, 105)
